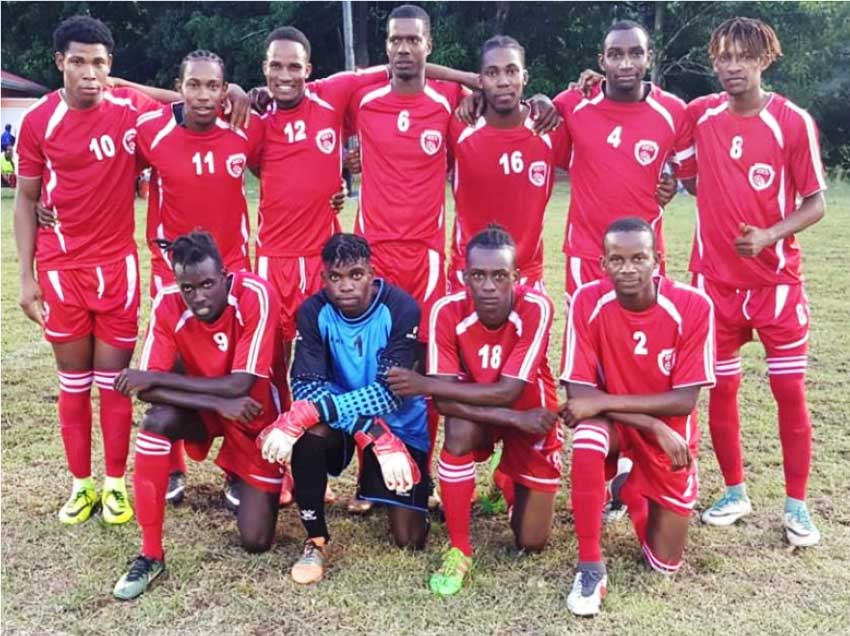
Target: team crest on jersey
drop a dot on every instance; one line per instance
(666, 360)
(326, 140)
(235, 164)
(129, 141)
(761, 176)
(431, 140)
(646, 151)
(537, 173)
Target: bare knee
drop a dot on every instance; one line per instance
(162, 420)
(409, 533)
(462, 436)
(531, 541)
(257, 542)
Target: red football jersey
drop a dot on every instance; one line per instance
(459, 345)
(618, 154)
(668, 346)
(302, 166)
(751, 170)
(199, 181)
(242, 340)
(86, 162)
(403, 156)
(504, 176)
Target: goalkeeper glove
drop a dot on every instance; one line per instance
(277, 440)
(398, 468)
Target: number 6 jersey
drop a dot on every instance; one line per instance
(86, 162)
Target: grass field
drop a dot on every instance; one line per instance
(742, 580)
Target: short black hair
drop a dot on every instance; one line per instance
(195, 248)
(493, 237)
(627, 25)
(8, 127)
(83, 29)
(344, 248)
(413, 12)
(629, 224)
(501, 42)
(201, 54)
(289, 33)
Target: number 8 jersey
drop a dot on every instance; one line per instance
(86, 162)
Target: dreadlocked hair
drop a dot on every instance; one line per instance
(753, 36)
(493, 237)
(191, 249)
(343, 248)
(204, 55)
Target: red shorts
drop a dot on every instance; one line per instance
(162, 275)
(651, 474)
(779, 314)
(417, 269)
(294, 280)
(102, 300)
(238, 454)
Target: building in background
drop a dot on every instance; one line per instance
(16, 95)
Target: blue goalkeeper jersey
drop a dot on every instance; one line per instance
(349, 359)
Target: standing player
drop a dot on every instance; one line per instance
(503, 171)
(221, 326)
(76, 157)
(621, 139)
(639, 348)
(757, 153)
(349, 335)
(489, 375)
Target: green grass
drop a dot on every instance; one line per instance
(744, 580)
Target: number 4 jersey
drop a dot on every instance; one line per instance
(86, 162)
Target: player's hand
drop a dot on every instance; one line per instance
(338, 200)
(44, 217)
(352, 160)
(752, 240)
(674, 445)
(131, 381)
(535, 422)
(406, 382)
(665, 190)
(259, 98)
(587, 81)
(237, 104)
(31, 301)
(399, 470)
(582, 408)
(544, 114)
(241, 409)
(471, 108)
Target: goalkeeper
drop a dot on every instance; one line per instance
(348, 336)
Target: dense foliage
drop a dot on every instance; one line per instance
(561, 39)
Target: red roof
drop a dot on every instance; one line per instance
(17, 83)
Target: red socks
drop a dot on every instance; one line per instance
(587, 475)
(795, 430)
(75, 420)
(150, 481)
(457, 486)
(177, 462)
(724, 421)
(116, 418)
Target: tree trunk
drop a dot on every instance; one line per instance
(360, 17)
(503, 7)
(658, 37)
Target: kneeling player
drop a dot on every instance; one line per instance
(638, 350)
(221, 328)
(348, 336)
(490, 378)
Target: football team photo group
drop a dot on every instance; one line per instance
(346, 276)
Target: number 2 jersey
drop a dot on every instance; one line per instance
(668, 346)
(751, 170)
(618, 154)
(86, 160)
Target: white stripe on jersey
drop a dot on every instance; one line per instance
(442, 101)
(813, 144)
(591, 102)
(529, 123)
(466, 323)
(711, 112)
(433, 273)
(709, 353)
(144, 360)
(165, 130)
(130, 262)
(517, 321)
(667, 305)
(767, 117)
(606, 298)
(661, 110)
(470, 130)
(539, 335)
(259, 331)
(118, 101)
(570, 344)
(225, 126)
(148, 116)
(433, 352)
(56, 117)
(318, 100)
(375, 94)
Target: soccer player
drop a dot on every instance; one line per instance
(621, 139)
(639, 347)
(488, 372)
(757, 155)
(503, 171)
(76, 157)
(221, 326)
(349, 336)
